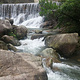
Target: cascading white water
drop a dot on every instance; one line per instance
(13, 10)
(31, 46)
(64, 71)
(27, 14)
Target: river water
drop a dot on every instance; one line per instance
(27, 14)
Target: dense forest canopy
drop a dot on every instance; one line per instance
(67, 13)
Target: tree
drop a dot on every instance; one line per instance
(69, 15)
(46, 8)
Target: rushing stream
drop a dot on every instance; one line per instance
(27, 14)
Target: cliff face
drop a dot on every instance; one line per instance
(16, 1)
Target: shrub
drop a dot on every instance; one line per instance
(46, 9)
(69, 15)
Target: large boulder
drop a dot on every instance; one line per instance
(3, 45)
(10, 20)
(5, 27)
(10, 39)
(20, 31)
(65, 44)
(76, 55)
(20, 66)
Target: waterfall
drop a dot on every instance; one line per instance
(26, 14)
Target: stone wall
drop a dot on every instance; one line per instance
(16, 1)
(36, 1)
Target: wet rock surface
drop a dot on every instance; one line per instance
(11, 47)
(20, 66)
(20, 31)
(3, 45)
(65, 44)
(37, 36)
(51, 56)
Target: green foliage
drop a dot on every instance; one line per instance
(46, 8)
(69, 15)
(12, 34)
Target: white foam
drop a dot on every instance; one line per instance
(33, 22)
(55, 75)
(31, 46)
(64, 66)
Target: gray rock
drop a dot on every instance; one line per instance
(5, 27)
(49, 24)
(20, 66)
(10, 39)
(10, 20)
(3, 45)
(46, 24)
(65, 44)
(38, 31)
(20, 31)
(11, 47)
(49, 52)
(51, 56)
(37, 36)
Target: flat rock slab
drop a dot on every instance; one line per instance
(20, 66)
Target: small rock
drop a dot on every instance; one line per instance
(3, 45)
(37, 36)
(38, 31)
(46, 24)
(11, 47)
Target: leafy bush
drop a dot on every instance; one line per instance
(47, 8)
(69, 15)
(12, 34)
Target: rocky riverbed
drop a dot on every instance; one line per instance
(57, 51)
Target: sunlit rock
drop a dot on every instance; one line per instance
(65, 44)
(20, 66)
(51, 56)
